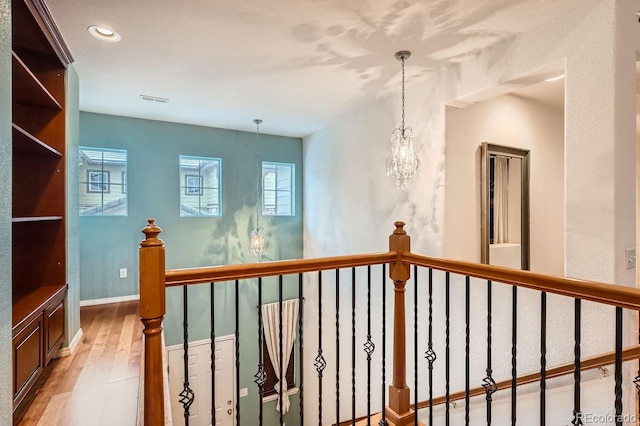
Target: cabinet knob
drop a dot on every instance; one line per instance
(229, 411)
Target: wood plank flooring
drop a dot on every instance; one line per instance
(98, 384)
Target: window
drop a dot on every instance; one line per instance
(271, 380)
(200, 186)
(97, 181)
(103, 180)
(277, 189)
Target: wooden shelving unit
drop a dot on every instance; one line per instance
(35, 219)
(24, 142)
(28, 89)
(39, 278)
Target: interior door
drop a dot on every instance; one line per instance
(199, 362)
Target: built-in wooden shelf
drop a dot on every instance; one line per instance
(34, 303)
(27, 88)
(35, 219)
(25, 142)
(39, 58)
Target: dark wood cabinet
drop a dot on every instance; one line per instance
(39, 279)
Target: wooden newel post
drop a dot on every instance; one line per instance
(152, 311)
(399, 412)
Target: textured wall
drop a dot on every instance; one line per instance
(599, 207)
(510, 121)
(6, 394)
(109, 243)
(73, 238)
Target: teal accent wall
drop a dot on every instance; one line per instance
(72, 307)
(111, 242)
(6, 397)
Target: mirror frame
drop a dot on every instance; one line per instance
(486, 150)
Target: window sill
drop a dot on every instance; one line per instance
(274, 397)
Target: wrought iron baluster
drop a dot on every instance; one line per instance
(514, 350)
(319, 363)
(300, 346)
(543, 358)
(369, 346)
(618, 367)
(577, 415)
(415, 343)
(446, 344)
(283, 373)
(383, 419)
(213, 353)
(430, 355)
(186, 396)
(337, 346)
(353, 346)
(466, 349)
(488, 383)
(237, 333)
(261, 375)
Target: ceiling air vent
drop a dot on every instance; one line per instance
(154, 99)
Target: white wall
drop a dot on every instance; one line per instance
(518, 122)
(350, 204)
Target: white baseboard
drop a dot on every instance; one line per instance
(69, 350)
(107, 300)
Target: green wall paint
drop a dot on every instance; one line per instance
(110, 243)
(72, 307)
(6, 397)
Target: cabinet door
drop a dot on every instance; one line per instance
(27, 359)
(54, 329)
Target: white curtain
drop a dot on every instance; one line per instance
(271, 318)
(500, 200)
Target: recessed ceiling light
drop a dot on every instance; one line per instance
(556, 78)
(104, 34)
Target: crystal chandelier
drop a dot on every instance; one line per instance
(402, 163)
(257, 240)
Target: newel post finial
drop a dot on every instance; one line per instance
(152, 310)
(151, 232)
(399, 410)
(399, 228)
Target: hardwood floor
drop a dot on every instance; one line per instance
(98, 384)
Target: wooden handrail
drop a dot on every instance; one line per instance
(179, 277)
(609, 294)
(154, 279)
(628, 354)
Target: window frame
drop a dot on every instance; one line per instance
(97, 192)
(102, 182)
(277, 190)
(189, 189)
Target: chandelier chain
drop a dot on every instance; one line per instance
(402, 125)
(257, 121)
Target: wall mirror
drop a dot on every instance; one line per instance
(504, 206)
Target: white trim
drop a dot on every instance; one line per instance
(180, 346)
(107, 300)
(273, 397)
(69, 350)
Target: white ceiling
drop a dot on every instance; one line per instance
(297, 64)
